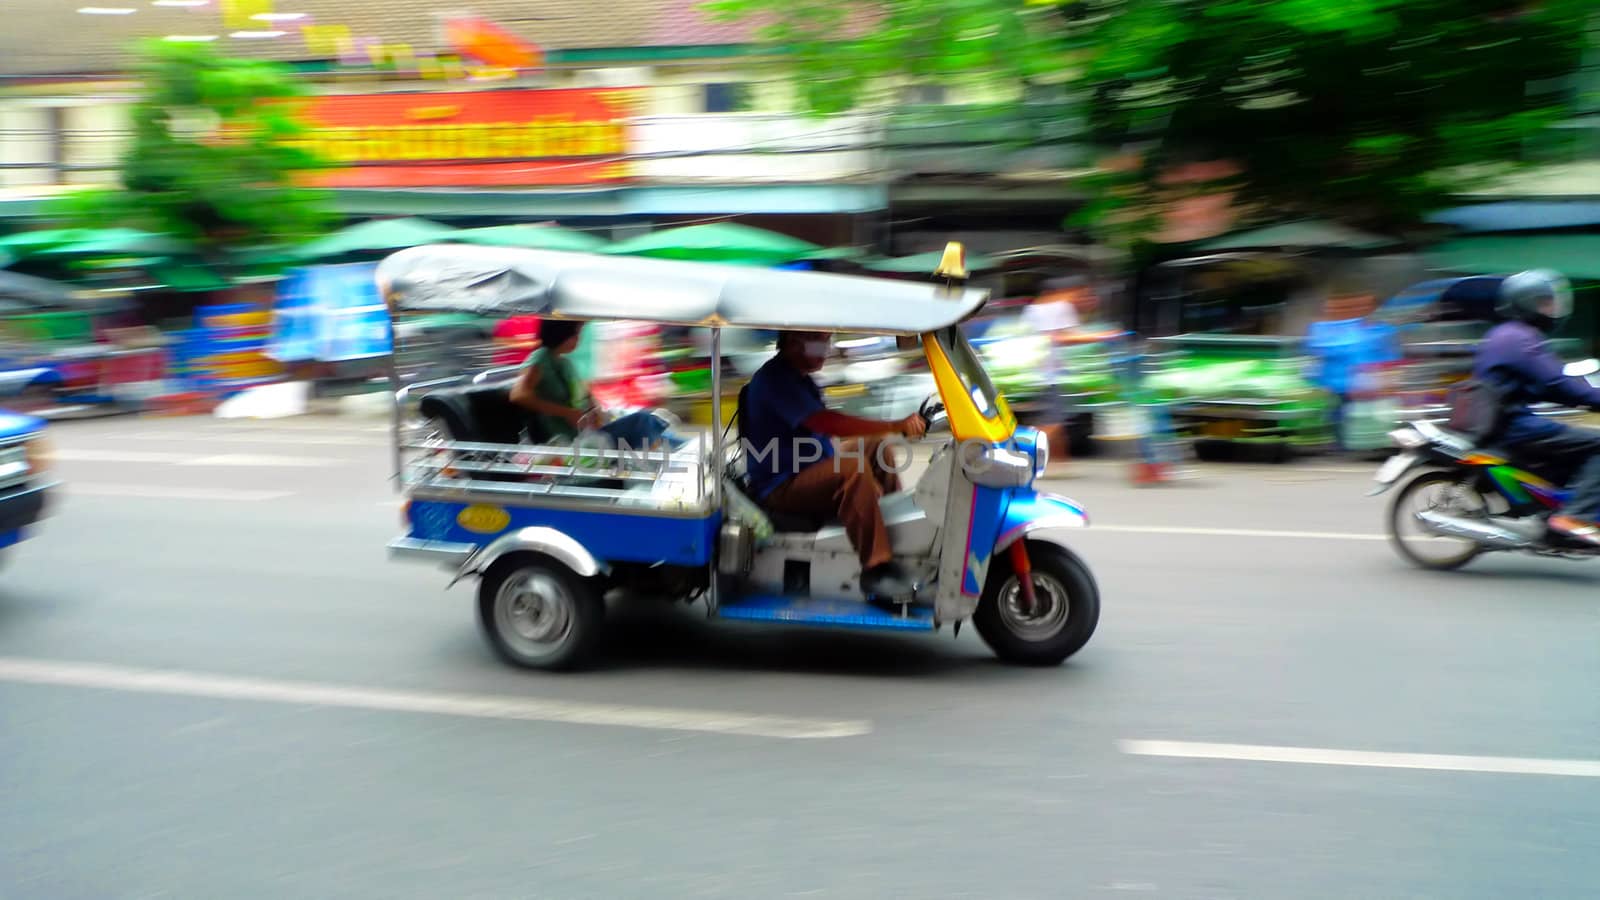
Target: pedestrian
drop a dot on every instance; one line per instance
(1345, 345)
(1054, 314)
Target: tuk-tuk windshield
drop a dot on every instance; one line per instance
(974, 378)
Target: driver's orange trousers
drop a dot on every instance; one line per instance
(847, 487)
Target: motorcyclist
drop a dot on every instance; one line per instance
(1516, 358)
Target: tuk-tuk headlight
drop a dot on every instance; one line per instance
(1041, 453)
(998, 467)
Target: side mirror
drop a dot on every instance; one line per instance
(1583, 369)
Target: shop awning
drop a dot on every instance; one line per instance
(1311, 234)
(1515, 215)
(1573, 255)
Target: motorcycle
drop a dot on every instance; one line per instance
(1471, 499)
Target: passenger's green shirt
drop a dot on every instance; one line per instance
(558, 383)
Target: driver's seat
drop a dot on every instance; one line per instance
(781, 521)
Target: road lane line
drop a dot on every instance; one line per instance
(154, 492)
(312, 440)
(1499, 765)
(474, 706)
(1238, 532)
(244, 460)
(264, 461)
(81, 454)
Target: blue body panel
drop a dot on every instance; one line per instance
(16, 424)
(988, 512)
(8, 538)
(608, 536)
(1030, 506)
(992, 515)
(824, 612)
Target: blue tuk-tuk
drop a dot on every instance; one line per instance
(550, 529)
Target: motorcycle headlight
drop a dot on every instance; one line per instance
(38, 453)
(1407, 438)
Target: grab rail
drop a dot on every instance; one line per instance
(472, 467)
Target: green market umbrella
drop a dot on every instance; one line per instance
(118, 242)
(925, 263)
(537, 237)
(727, 242)
(835, 253)
(24, 242)
(377, 237)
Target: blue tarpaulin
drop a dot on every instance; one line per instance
(330, 314)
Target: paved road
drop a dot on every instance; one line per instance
(213, 684)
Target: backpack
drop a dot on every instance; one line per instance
(1477, 408)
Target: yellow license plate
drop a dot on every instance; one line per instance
(1232, 428)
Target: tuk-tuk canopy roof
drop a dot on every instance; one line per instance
(503, 281)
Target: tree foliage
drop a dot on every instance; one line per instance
(212, 157)
(1370, 110)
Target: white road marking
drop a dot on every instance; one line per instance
(249, 460)
(265, 437)
(191, 459)
(1500, 765)
(78, 454)
(475, 706)
(156, 492)
(1238, 532)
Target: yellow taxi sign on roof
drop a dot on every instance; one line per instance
(954, 262)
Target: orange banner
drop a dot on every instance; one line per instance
(511, 138)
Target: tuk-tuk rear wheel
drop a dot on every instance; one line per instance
(1067, 607)
(538, 614)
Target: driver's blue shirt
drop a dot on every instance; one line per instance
(1517, 357)
(777, 444)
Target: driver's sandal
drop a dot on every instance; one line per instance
(887, 587)
(1576, 529)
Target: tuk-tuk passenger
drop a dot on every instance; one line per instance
(785, 424)
(550, 389)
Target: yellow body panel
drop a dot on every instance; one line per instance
(966, 422)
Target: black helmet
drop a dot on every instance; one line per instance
(1540, 297)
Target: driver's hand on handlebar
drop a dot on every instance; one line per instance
(913, 426)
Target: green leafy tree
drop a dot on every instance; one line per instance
(214, 156)
(1373, 111)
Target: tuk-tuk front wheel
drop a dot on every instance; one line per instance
(538, 614)
(1065, 611)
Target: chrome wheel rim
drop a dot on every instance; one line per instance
(533, 612)
(1445, 497)
(1051, 607)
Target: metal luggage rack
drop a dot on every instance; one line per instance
(631, 479)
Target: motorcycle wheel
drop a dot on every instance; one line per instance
(1447, 491)
(1069, 608)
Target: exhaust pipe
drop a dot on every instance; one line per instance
(1477, 530)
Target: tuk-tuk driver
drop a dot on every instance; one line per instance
(794, 468)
